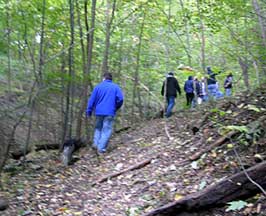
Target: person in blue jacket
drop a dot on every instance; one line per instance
(105, 100)
(189, 89)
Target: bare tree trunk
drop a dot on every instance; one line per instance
(202, 30)
(7, 142)
(136, 91)
(69, 110)
(109, 21)
(257, 72)
(31, 104)
(4, 148)
(262, 24)
(119, 70)
(41, 52)
(187, 34)
(85, 69)
(86, 58)
(244, 66)
(30, 49)
(90, 40)
(8, 26)
(62, 102)
(257, 9)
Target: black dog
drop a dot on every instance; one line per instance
(70, 146)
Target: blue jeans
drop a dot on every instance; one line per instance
(205, 98)
(228, 92)
(103, 132)
(170, 105)
(212, 90)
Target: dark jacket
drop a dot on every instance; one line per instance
(189, 87)
(211, 79)
(106, 99)
(228, 82)
(172, 87)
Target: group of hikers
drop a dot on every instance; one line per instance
(107, 97)
(197, 91)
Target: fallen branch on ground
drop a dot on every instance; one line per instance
(218, 142)
(232, 188)
(136, 166)
(225, 138)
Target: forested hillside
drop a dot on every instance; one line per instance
(54, 52)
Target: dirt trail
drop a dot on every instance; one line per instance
(45, 187)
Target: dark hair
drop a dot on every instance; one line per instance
(171, 73)
(108, 76)
(209, 70)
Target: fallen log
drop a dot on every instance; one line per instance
(218, 142)
(232, 188)
(133, 167)
(16, 155)
(3, 204)
(47, 146)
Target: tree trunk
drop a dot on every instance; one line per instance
(69, 94)
(31, 105)
(41, 52)
(8, 20)
(109, 21)
(136, 91)
(257, 72)
(257, 9)
(244, 67)
(86, 59)
(62, 101)
(7, 140)
(202, 30)
(30, 49)
(262, 24)
(187, 34)
(84, 68)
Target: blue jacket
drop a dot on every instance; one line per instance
(106, 99)
(188, 87)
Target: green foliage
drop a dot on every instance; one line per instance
(236, 205)
(133, 211)
(171, 37)
(242, 129)
(218, 111)
(253, 108)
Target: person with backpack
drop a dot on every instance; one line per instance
(105, 100)
(172, 87)
(228, 84)
(189, 89)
